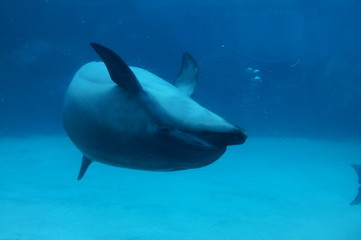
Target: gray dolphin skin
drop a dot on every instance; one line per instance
(128, 117)
(357, 168)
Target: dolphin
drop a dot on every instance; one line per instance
(357, 168)
(128, 117)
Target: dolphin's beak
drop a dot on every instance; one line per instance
(223, 139)
(237, 137)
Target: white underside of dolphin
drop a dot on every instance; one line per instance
(128, 117)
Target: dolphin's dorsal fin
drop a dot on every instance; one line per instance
(188, 76)
(118, 70)
(84, 166)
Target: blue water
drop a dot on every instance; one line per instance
(308, 54)
(286, 71)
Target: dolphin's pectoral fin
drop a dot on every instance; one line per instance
(84, 166)
(184, 138)
(357, 200)
(118, 70)
(188, 75)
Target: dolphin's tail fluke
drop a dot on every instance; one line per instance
(357, 200)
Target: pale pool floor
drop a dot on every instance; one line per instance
(266, 189)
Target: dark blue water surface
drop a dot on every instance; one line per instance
(308, 54)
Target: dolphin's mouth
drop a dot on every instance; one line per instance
(223, 139)
(204, 140)
(186, 139)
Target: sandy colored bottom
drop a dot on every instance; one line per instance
(266, 189)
